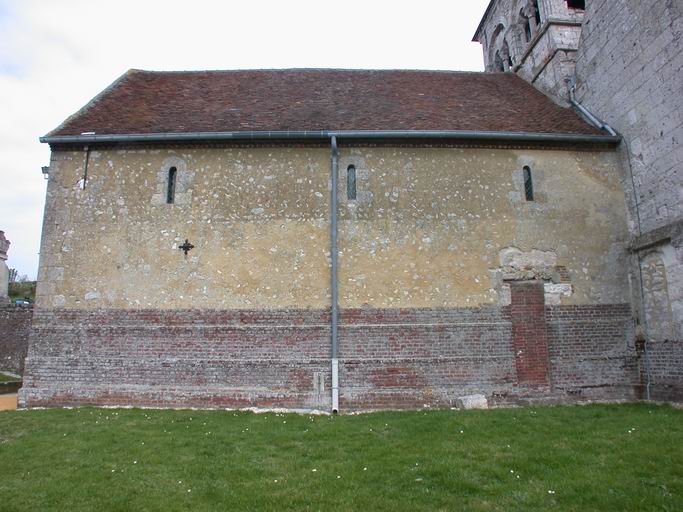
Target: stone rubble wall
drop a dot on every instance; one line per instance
(15, 327)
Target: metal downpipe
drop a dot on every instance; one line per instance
(587, 113)
(333, 274)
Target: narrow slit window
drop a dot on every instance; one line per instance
(537, 13)
(528, 184)
(170, 191)
(351, 183)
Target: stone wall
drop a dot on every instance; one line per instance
(630, 73)
(628, 69)
(15, 327)
(431, 255)
(431, 227)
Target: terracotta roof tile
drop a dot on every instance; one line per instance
(142, 102)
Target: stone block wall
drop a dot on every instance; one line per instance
(548, 58)
(15, 327)
(630, 73)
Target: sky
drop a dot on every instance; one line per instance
(55, 55)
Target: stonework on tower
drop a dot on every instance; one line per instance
(537, 39)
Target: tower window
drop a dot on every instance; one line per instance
(507, 56)
(577, 4)
(528, 184)
(351, 182)
(537, 13)
(527, 25)
(498, 63)
(170, 190)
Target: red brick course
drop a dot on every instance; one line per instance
(662, 366)
(389, 358)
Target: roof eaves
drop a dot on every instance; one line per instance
(93, 101)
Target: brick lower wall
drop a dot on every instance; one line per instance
(591, 351)
(398, 358)
(415, 357)
(15, 327)
(664, 360)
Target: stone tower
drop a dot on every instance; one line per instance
(623, 61)
(537, 39)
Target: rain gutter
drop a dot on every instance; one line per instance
(339, 134)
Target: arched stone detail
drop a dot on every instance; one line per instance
(496, 40)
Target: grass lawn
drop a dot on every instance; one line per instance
(599, 457)
(7, 378)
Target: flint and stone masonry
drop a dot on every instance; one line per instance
(492, 263)
(450, 281)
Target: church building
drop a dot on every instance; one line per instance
(338, 240)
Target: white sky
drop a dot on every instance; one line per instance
(55, 55)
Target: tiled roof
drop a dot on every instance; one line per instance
(146, 102)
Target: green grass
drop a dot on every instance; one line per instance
(614, 457)
(7, 378)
